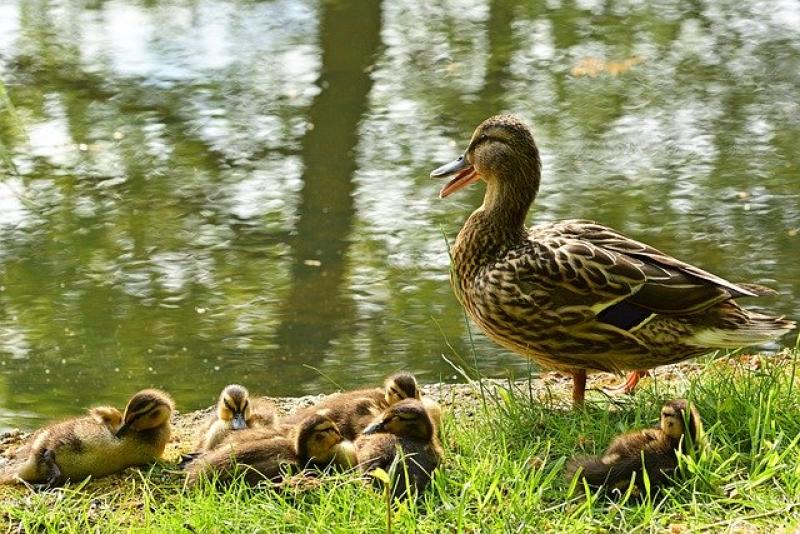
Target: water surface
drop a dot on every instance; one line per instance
(203, 192)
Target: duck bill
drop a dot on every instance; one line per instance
(122, 430)
(464, 175)
(238, 422)
(374, 428)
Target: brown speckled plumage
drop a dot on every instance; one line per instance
(575, 295)
(315, 442)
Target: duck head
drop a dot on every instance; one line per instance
(407, 418)
(679, 417)
(234, 406)
(503, 153)
(149, 408)
(400, 386)
(319, 441)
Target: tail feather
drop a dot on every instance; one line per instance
(759, 290)
(758, 329)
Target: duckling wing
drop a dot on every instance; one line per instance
(264, 413)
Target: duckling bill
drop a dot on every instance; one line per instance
(653, 451)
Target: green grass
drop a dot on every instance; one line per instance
(503, 472)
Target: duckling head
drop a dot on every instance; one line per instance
(318, 438)
(234, 406)
(680, 417)
(408, 418)
(147, 409)
(400, 386)
(503, 153)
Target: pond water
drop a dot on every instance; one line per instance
(203, 192)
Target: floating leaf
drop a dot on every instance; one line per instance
(593, 66)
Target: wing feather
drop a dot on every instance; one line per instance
(624, 280)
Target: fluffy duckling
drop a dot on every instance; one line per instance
(407, 426)
(316, 442)
(653, 450)
(100, 444)
(353, 410)
(235, 411)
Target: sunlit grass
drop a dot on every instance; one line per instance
(504, 472)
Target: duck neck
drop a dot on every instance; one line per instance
(499, 224)
(504, 209)
(509, 195)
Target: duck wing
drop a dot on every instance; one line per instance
(628, 280)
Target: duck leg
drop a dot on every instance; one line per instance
(630, 383)
(54, 473)
(578, 387)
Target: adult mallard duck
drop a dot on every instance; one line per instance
(575, 295)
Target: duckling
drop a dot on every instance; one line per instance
(236, 411)
(316, 442)
(406, 425)
(654, 450)
(98, 445)
(353, 410)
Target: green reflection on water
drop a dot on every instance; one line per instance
(207, 192)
